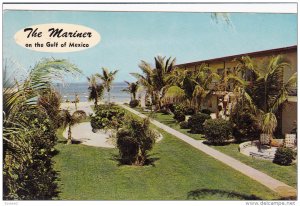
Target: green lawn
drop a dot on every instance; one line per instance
(180, 172)
(171, 122)
(286, 174)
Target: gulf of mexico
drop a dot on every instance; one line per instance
(69, 90)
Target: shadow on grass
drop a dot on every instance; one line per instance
(201, 194)
(149, 161)
(215, 144)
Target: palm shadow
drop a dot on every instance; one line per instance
(150, 160)
(201, 194)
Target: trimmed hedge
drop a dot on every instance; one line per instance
(283, 156)
(195, 122)
(217, 131)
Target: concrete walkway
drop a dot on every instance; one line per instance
(281, 188)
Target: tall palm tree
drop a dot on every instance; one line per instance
(96, 90)
(155, 80)
(107, 78)
(68, 120)
(132, 88)
(269, 90)
(145, 80)
(163, 68)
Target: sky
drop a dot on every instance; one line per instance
(129, 37)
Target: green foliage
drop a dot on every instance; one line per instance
(134, 141)
(284, 156)
(217, 131)
(184, 125)
(134, 103)
(132, 88)
(179, 112)
(29, 132)
(206, 111)
(196, 122)
(107, 117)
(96, 90)
(50, 101)
(190, 111)
(107, 77)
(245, 125)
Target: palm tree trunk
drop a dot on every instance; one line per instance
(69, 135)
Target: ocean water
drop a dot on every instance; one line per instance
(69, 90)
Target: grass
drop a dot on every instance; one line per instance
(286, 174)
(171, 122)
(180, 172)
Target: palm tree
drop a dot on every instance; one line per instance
(20, 98)
(194, 86)
(107, 79)
(96, 90)
(155, 80)
(132, 88)
(68, 120)
(268, 91)
(145, 80)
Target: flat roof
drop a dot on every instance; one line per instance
(251, 54)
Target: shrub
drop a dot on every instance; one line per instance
(134, 141)
(283, 156)
(245, 126)
(179, 113)
(184, 125)
(134, 103)
(196, 121)
(180, 116)
(190, 111)
(206, 111)
(164, 111)
(107, 117)
(217, 131)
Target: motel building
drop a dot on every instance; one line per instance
(288, 114)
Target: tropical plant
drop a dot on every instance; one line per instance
(268, 90)
(50, 101)
(194, 86)
(155, 80)
(132, 88)
(135, 140)
(96, 90)
(68, 120)
(217, 131)
(107, 78)
(145, 80)
(28, 135)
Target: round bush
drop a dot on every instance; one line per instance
(184, 125)
(195, 122)
(180, 116)
(190, 111)
(134, 103)
(283, 156)
(217, 131)
(206, 111)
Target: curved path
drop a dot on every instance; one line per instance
(279, 187)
